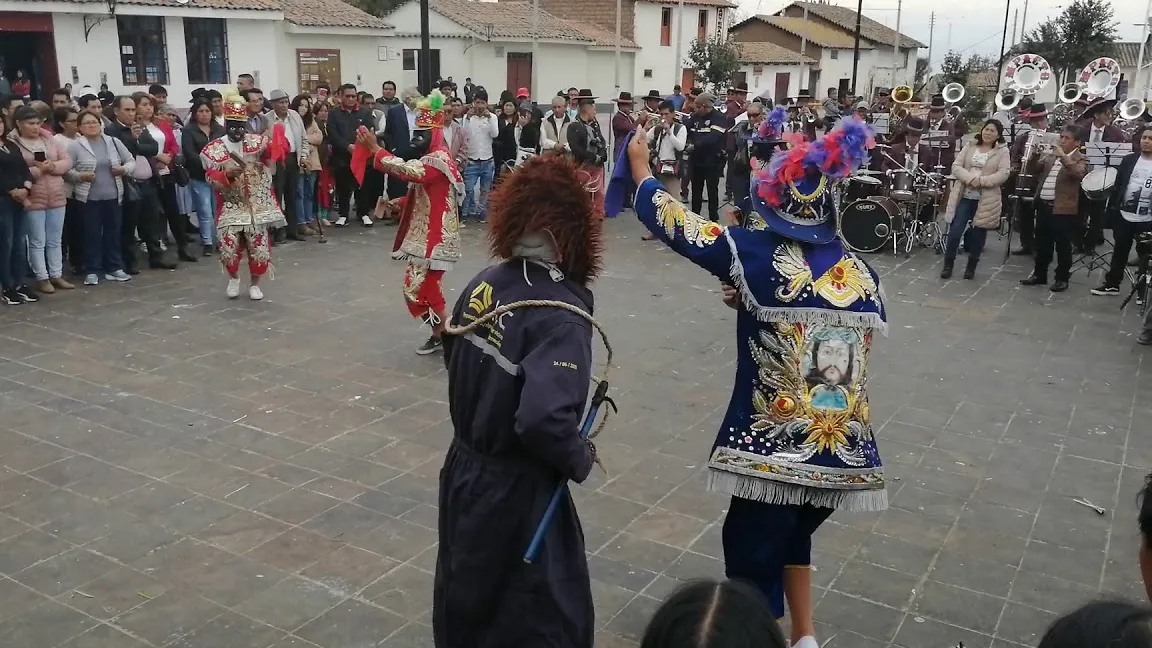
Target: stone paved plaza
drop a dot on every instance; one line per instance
(177, 469)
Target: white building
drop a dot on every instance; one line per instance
(492, 43)
(771, 71)
(185, 44)
(664, 31)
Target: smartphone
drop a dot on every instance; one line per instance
(40, 156)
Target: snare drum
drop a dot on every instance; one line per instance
(866, 225)
(1098, 183)
(901, 187)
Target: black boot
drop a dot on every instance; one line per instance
(946, 271)
(183, 254)
(970, 270)
(278, 235)
(156, 260)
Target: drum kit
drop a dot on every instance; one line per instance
(901, 213)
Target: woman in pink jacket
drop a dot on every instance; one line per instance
(46, 201)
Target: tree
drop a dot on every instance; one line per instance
(1085, 30)
(921, 76)
(953, 70)
(716, 60)
(377, 7)
(979, 63)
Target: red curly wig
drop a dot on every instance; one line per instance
(547, 194)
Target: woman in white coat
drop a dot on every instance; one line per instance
(980, 170)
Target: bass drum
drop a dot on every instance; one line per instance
(867, 225)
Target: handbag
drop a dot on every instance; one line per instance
(180, 175)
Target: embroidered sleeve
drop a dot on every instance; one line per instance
(214, 155)
(408, 170)
(690, 235)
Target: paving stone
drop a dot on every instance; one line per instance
(184, 463)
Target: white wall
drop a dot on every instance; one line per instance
(251, 48)
(758, 84)
(666, 70)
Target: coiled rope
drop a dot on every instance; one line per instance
(544, 303)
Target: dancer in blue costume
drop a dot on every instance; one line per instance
(796, 442)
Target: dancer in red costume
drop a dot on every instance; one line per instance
(239, 166)
(429, 236)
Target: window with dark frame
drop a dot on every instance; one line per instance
(834, 54)
(409, 60)
(206, 45)
(143, 52)
(702, 25)
(666, 26)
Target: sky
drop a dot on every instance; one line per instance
(970, 26)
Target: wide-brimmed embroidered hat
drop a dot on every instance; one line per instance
(430, 111)
(793, 194)
(235, 109)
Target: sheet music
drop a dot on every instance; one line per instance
(1106, 153)
(881, 123)
(939, 139)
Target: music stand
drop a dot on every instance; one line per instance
(1100, 155)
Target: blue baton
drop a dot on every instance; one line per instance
(598, 398)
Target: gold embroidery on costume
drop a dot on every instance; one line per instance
(755, 223)
(415, 243)
(672, 215)
(413, 280)
(410, 169)
(449, 245)
(810, 393)
(842, 285)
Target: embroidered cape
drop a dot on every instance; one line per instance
(247, 204)
(798, 427)
(429, 233)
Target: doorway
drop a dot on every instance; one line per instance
(27, 44)
(687, 78)
(783, 80)
(519, 70)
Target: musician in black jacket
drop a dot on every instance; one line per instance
(707, 135)
(1131, 205)
(588, 147)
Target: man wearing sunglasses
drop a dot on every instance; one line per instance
(343, 123)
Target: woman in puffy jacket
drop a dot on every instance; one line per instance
(47, 199)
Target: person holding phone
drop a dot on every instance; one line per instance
(15, 185)
(46, 201)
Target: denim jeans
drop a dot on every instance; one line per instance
(13, 247)
(102, 236)
(45, 229)
(305, 196)
(476, 202)
(204, 204)
(975, 237)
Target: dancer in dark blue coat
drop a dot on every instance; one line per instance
(517, 387)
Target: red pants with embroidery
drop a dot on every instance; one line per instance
(422, 291)
(232, 247)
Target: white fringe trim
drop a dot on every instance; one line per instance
(431, 264)
(773, 492)
(792, 315)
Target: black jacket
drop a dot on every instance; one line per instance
(504, 146)
(193, 141)
(13, 170)
(516, 393)
(342, 127)
(397, 139)
(145, 145)
(707, 135)
(1123, 176)
(585, 149)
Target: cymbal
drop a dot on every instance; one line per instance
(868, 172)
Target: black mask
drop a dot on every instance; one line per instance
(236, 130)
(421, 138)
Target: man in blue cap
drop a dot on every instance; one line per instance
(796, 442)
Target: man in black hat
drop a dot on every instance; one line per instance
(622, 123)
(734, 102)
(941, 136)
(588, 146)
(652, 102)
(1026, 211)
(910, 150)
(1096, 124)
(883, 101)
(810, 122)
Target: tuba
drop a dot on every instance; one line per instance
(1024, 75)
(1006, 100)
(953, 94)
(1132, 109)
(901, 95)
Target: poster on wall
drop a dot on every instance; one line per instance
(316, 66)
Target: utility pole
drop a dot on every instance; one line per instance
(1003, 41)
(931, 33)
(856, 45)
(424, 74)
(1015, 18)
(618, 10)
(896, 47)
(1024, 20)
(804, 66)
(532, 87)
(678, 69)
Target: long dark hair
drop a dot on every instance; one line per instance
(196, 104)
(712, 614)
(299, 99)
(999, 132)
(1116, 624)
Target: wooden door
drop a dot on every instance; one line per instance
(687, 78)
(739, 77)
(783, 80)
(519, 71)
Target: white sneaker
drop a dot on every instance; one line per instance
(366, 220)
(119, 275)
(341, 222)
(806, 642)
(233, 288)
(254, 293)
(91, 280)
(325, 222)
